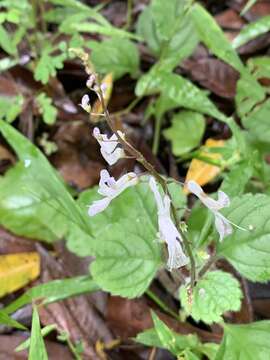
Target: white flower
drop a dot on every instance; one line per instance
(222, 224)
(110, 189)
(108, 146)
(167, 229)
(85, 103)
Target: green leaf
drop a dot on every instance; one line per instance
(189, 355)
(209, 349)
(37, 347)
(149, 337)
(127, 251)
(6, 63)
(127, 257)
(249, 251)
(6, 42)
(147, 31)
(214, 38)
(185, 132)
(248, 94)
(168, 31)
(257, 122)
(260, 66)
(235, 181)
(47, 110)
(126, 247)
(214, 294)
(11, 107)
(165, 15)
(6, 320)
(54, 291)
(25, 214)
(171, 341)
(251, 31)
(48, 65)
(247, 342)
(108, 30)
(44, 332)
(248, 5)
(200, 224)
(41, 173)
(178, 89)
(163, 337)
(119, 56)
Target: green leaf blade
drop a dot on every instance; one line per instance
(251, 31)
(214, 294)
(249, 251)
(185, 132)
(119, 56)
(37, 349)
(247, 342)
(127, 258)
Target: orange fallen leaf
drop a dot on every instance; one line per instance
(97, 108)
(201, 171)
(17, 270)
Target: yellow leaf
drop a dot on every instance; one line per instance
(17, 270)
(97, 108)
(201, 171)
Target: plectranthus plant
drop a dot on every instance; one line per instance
(139, 225)
(148, 235)
(170, 230)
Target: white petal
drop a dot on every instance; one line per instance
(106, 183)
(223, 199)
(167, 205)
(212, 204)
(96, 132)
(127, 180)
(154, 188)
(109, 145)
(112, 157)
(177, 258)
(223, 226)
(168, 230)
(85, 103)
(98, 206)
(194, 188)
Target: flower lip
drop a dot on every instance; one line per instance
(108, 146)
(222, 224)
(110, 189)
(167, 229)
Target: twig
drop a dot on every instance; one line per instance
(208, 265)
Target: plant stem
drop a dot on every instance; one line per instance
(161, 304)
(128, 108)
(157, 135)
(129, 14)
(208, 265)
